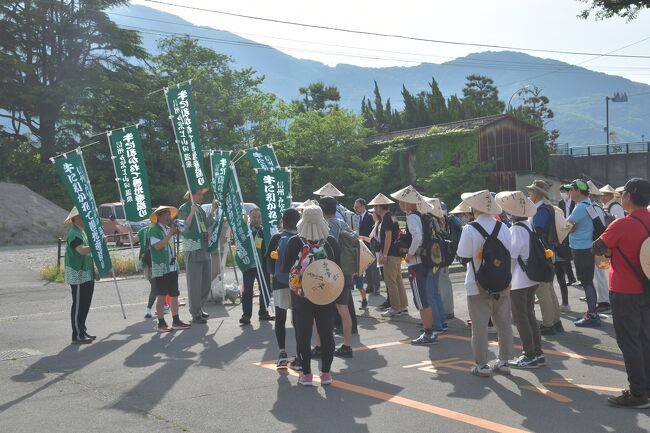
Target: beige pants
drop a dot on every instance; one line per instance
(548, 304)
(394, 283)
(481, 308)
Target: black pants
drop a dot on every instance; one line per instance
(153, 294)
(561, 275)
(585, 264)
(281, 326)
(373, 278)
(631, 314)
(304, 314)
(82, 296)
(249, 277)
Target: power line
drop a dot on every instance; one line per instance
(394, 36)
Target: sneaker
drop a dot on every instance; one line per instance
(384, 306)
(547, 330)
(572, 283)
(326, 378)
(205, 315)
(245, 320)
(523, 362)
(501, 367)
(558, 327)
(164, 328)
(627, 399)
(316, 352)
(82, 339)
(266, 316)
(295, 365)
(306, 380)
(391, 312)
(148, 314)
(541, 360)
(343, 352)
(166, 309)
(425, 340)
(482, 371)
(405, 311)
(604, 307)
(181, 325)
(587, 321)
(200, 320)
(583, 298)
(565, 308)
(283, 361)
(364, 304)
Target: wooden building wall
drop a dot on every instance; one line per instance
(506, 144)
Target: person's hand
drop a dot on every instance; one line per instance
(608, 252)
(382, 259)
(194, 209)
(97, 277)
(174, 230)
(409, 257)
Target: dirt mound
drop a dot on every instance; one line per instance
(27, 217)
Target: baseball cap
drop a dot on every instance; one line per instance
(578, 184)
(638, 186)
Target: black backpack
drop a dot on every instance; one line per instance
(494, 274)
(539, 268)
(609, 216)
(443, 251)
(599, 226)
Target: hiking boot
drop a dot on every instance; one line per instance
(245, 320)
(199, 320)
(501, 367)
(425, 340)
(523, 362)
(306, 380)
(295, 365)
(316, 352)
(546, 330)
(588, 321)
(583, 298)
(482, 370)
(364, 304)
(180, 325)
(391, 312)
(283, 361)
(326, 378)
(627, 399)
(205, 315)
(343, 352)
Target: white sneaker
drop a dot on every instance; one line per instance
(148, 314)
(482, 370)
(405, 311)
(391, 312)
(501, 367)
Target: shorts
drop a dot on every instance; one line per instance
(418, 279)
(344, 297)
(166, 285)
(585, 262)
(282, 298)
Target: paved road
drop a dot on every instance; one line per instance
(215, 378)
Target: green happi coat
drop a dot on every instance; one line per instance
(78, 268)
(161, 260)
(196, 235)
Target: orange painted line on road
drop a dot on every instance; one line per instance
(572, 355)
(548, 393)
(567, 383)
(414, 404)
(380, 345)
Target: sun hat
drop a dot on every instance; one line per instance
(579, 184)
(329, 189)
(516, 204)
(408, 195)
(593, 189)
(312, 226)
(187, 193)
(461, 208)
(73, 213)
(644, 257)
(431, 206)
(540, 186)
(322, 281)
(608, 189)
(380, 199)
(154, 216)
(366, 257)
(481, 201)
(307, 203)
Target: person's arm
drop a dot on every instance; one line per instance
(609, 239)
(190, 217)
(160, 244)
(415, 228)
(465, 248)
(78, 245)
(291, 253)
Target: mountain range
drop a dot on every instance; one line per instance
(577, 94)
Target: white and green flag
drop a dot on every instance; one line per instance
(273, 191)
(263, 157)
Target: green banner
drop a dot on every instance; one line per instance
(215, 234)
(235, 216)
(220, 164)
(72, 171)
(131, 172)
(182, 113)
(273, 190)
(263, 157)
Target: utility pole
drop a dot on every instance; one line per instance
(618, 97)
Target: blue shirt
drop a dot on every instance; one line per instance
(542, 222)
(581, 237)
(336, 225)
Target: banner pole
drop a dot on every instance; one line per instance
(110, 148)
(266, 294)
(119, 296)
(180, 154)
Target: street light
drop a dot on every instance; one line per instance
(618, 97)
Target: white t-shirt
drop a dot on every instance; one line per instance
(471, 242)
(414, 224)
(520, 247)
(615, 209)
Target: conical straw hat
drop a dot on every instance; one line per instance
(593, 189)
(408, 195)
(307, 203)
(73, 213)
(461, 208)
(366, 257)
(380, 199)
(186, 196)
(562, 226)
(154, 216)
(328, 189)
(432, 206)
(516, 204)
(608, 189)
(322, 281)
(482, 201)
(644, 256)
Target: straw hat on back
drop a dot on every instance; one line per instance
(380, 199)
(322, 281)
(329, 189)
(73, 213)
(481, 201)
(408, 195)
(312, 226)
(516, 204)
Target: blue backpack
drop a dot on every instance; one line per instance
(278, 274)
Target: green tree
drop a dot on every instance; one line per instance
(455, 108)
(481, 97)
(318, 97)
(609, 8)
(436, 104)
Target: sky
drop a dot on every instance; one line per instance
(540, 24)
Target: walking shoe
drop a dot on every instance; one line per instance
(92, 337)
(180, 325)
(391, 312)
(266, 316)
(295, 365)
(405, 311)
(316, 352)
(364, 304)
(572, 282)
(306, 380)
(326, 378)
(565, 308)
(541, 360)
(546, 330)
(482, 371)
(425, 340)
(148, 314)
(523, 362)
(283, 361)
(583, 298)
(604, 307)
(343, 352)
(245, 320)
(627, 399)
(166, 309)
(199, 320)
(587, 321)
(205, 315)
(82, 339)
(558, 327)
(384, 306)
(164, 328)
(501, 367)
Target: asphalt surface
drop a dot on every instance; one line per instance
(209, 378)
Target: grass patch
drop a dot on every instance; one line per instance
(52, 273)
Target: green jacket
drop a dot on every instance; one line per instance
(162, 261)
(78, 268)
(196, 235)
